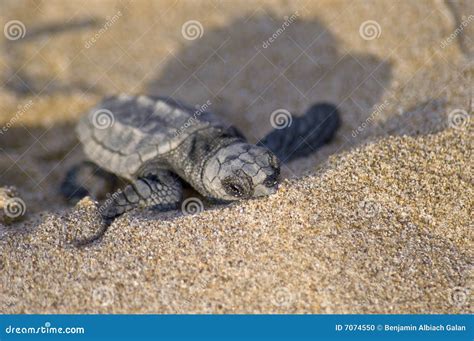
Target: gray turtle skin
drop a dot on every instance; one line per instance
(156, 142)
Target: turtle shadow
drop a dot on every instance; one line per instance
(21, 82)
(460, 12)
(34, 160)
(53, 28)
(251, 67)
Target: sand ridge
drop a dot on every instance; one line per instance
(369, 234)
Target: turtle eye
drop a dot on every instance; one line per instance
(235, 186)
(271, 180)
(238, 185)
(234, 189)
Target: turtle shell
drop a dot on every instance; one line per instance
(123, 132)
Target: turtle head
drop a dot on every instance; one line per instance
(241, 171)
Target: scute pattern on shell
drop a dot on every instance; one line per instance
(143, 129)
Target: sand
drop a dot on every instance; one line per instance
(378, 221)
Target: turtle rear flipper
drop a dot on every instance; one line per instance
(305, 134)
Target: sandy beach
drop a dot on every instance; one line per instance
(377, 221)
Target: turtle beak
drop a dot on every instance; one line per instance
(269, 186)
(272, 180)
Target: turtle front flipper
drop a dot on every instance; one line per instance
(160, 190)
(305, 134)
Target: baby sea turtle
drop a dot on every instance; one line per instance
(157, 144)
